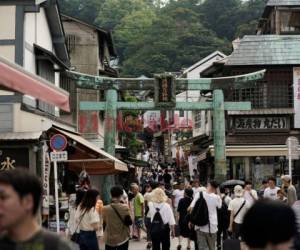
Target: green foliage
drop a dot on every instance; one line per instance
(153, 36)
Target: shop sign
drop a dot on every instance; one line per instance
(261, 123)
(59, 156)
(165, 91)
(46, 175)
(292, 144)
(297, 97)
(11, 158)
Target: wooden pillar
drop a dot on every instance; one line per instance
(219, 135)
(108, 181)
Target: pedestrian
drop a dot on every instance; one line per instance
(207, 235)
(147, 219)
(88, 221)
(167, 179)
(183, 217)
(20, 198)
(264, 185)
(71, 225)
(162, 220)
(271, 191)
(196, 186)
(281, 197)
(223, 218)
(238, 208)
(288, 189)
(116, 219)
(250, 194)
(269, 225)
(138, 207)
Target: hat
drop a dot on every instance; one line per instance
(286, 177)
(238, 191)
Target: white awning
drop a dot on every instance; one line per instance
(104, 164)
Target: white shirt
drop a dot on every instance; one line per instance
(178, 195)
(196, 190)
(235, 205)
(213, 202)
(165, 211)
(251, 196)
(271, 193)
(89, 218)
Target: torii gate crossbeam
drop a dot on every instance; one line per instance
(218, 106)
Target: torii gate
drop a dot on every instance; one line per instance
(165, 87)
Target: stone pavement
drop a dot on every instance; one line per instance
(141, 245)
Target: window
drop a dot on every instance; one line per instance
(45, 69)
(197, 119)
(290, 22)
(181, 113)
(71, 42)
(6, 118)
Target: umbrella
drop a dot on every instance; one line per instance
(231, 183)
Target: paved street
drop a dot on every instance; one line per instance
(134, 245)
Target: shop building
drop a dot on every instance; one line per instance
(256, 140)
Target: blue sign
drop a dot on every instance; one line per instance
(58, 142)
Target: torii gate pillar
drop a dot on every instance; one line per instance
(219, 135)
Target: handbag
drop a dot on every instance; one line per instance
(75, 236)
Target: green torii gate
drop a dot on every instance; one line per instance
(165, 87)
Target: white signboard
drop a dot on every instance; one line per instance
(292, 144)
(46, 175)
(297, 97)
(59, 156)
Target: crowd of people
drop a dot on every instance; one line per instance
(212, 216)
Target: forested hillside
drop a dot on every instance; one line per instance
(156, 36)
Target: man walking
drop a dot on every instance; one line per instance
(250, 194)
(289, 190)
(20, 197)
(271, 191)
(207, 235)
(138, 205)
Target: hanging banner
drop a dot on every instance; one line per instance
(297, 97)
(45, 181)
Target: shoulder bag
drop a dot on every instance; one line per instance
(75, 235)
(127, 221)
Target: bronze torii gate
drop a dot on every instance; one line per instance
(165, 87)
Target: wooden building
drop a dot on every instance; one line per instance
(255, 140)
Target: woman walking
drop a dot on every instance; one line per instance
(162, 220)
(183, 218)
(88, 221)
(116, 220)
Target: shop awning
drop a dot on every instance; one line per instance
(255, 150)
(85, 155)
(16, 78)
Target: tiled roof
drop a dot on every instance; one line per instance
(283, 2)
(267, 50)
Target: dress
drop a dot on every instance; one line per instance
(183, 205)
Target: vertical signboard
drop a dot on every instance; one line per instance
(165, 92)
(297, 97)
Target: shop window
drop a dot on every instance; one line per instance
(290, 22)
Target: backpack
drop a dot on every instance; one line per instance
(157, 226)
(200, 215)
(223, 216)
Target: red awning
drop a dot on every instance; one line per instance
(16, 78)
